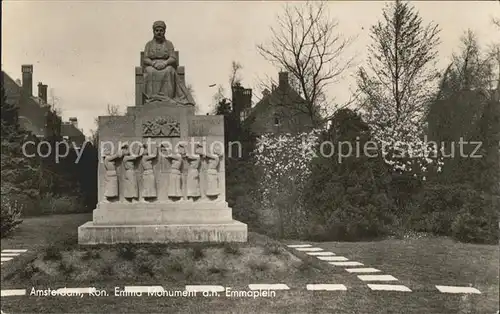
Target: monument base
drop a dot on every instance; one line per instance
(162, 213)
(92, 234)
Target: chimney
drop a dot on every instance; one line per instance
(42, 92)
(241, 98)
(27, 72)
(74, 121)
(283, 79)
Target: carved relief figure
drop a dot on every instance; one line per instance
(174, 191)
(161, 79)
(148, 177)
(130, 189)
(213, 163)
(193, 174)
(111, 177)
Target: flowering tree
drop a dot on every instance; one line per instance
(398, 84)
(284, 161)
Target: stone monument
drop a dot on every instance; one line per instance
(161, 177)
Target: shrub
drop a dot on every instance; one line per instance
(258, 265)
(346, 195)
(477, 222)
(439, 205)
(197, 252)
(306, 266)
(52, 253)
(176, 266)
(66, 268)
(217, 270)
(10, 215)
(231, 249)
(126, 252)
(157, 250)
(28, 272)
(146, 268)
(90, 254)
(348, 201)
(107, 270)
(53, 204)
(272, 249)
(242, 183)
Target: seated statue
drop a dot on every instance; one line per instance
(160, 78)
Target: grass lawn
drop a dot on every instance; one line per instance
(419, 264)
(41, 231)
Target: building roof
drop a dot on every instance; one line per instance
(281, 95)
(13, 95)
(68, 129)
(36, 107)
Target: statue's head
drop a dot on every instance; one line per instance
(181, 148)
(125, 149)
(216, 150)
(198, 149)
(106, 151)
(159, 28)
(145, 148)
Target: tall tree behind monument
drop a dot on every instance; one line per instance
(466, 107)
(399, 80)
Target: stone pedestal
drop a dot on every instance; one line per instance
(162, 219)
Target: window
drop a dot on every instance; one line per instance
(243, 115)
(276, 120)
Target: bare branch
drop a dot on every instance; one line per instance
(235, 77)
(305, 44)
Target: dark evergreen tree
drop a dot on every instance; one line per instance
(349, 196)
(19, 172)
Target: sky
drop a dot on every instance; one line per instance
(87, 51)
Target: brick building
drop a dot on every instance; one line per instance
(35, 114)
(276, 112)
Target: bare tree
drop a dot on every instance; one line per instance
(470, 69)
(305, 44)
(235, 77)
(454, 113)
(54, 102)
(190, 89)
(400, 76)
(220, 95)
(111, 110)
(496, 22)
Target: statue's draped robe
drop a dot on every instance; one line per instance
(148, 178)
(165, 83)
(213, 177)
(174, 178)
(130, 180)
(111, 179)
(193, 177)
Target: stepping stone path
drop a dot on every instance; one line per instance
(454, 289)
(10, 254)
(278, 286)
(326, 287)
(340, 261)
